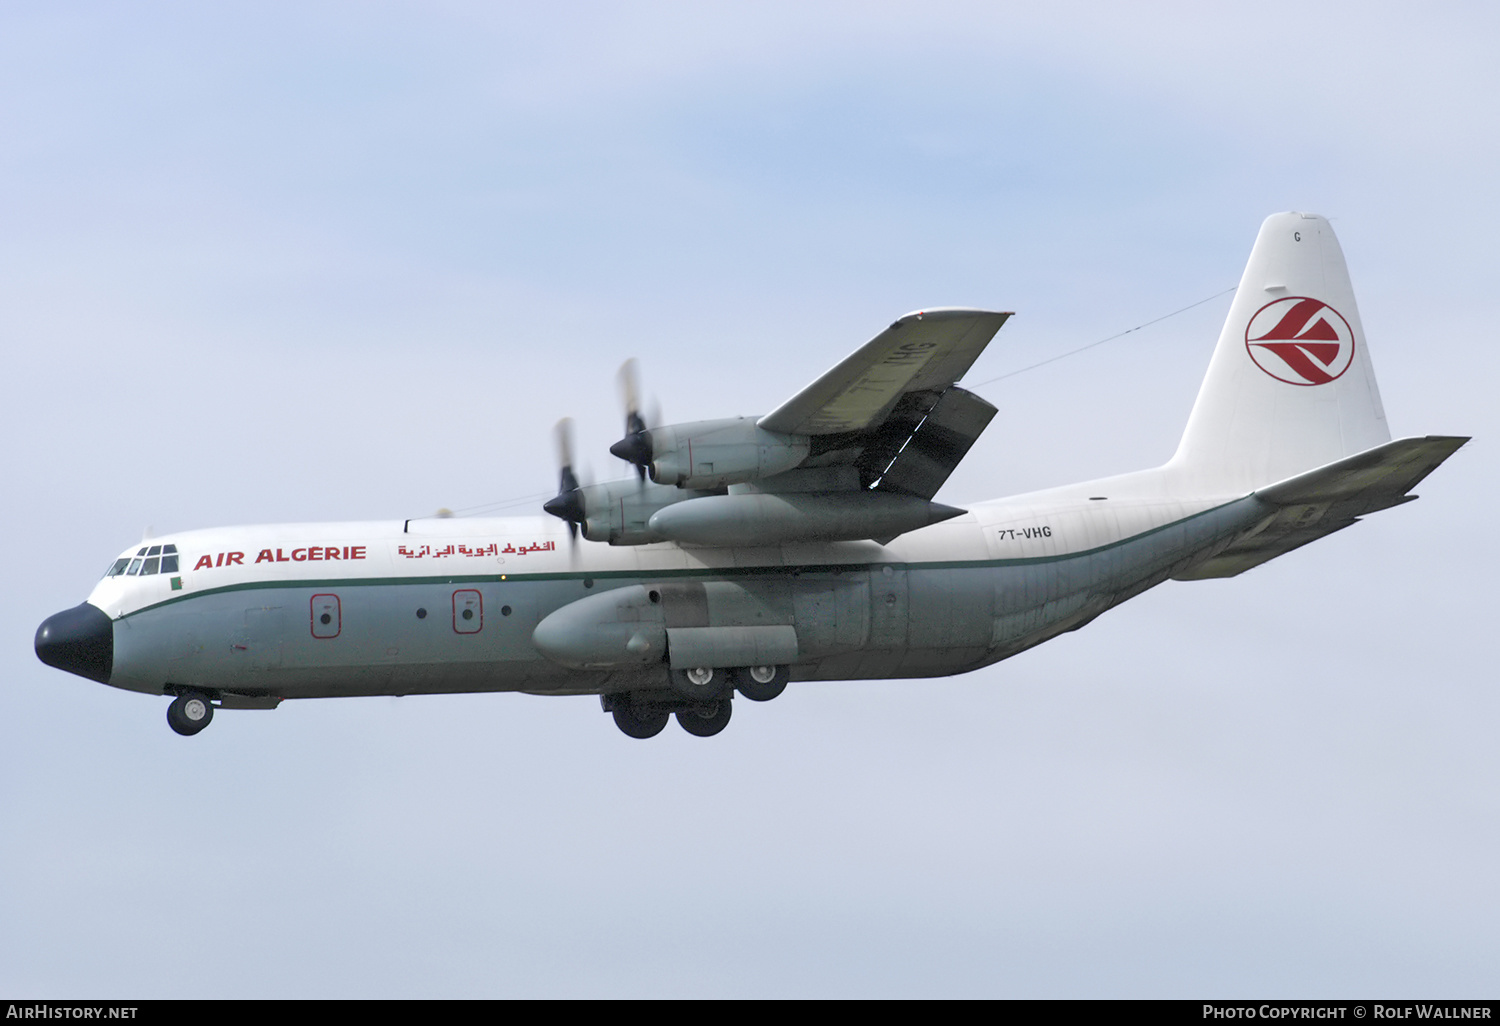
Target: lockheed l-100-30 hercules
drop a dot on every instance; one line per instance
(802, 545)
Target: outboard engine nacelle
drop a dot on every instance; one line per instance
(716, 453)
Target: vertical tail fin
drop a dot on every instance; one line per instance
(1290, 387)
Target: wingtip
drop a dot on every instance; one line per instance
(944, 313)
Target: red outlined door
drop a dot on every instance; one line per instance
(326, 616)
(468, 611)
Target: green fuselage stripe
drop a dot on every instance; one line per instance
(611, 575)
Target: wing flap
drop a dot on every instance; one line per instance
(919, 461)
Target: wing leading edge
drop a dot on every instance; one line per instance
(925, 351)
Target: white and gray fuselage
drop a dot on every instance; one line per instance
(454, 605)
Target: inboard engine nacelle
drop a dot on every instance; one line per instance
(619, 512)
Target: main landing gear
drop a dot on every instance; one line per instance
(636, 718)
(190, 712)
(761, 683)
(700, 698)
(706, 718)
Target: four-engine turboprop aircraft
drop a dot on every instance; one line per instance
(801, 545)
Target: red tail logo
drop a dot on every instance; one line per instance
(1300, 341)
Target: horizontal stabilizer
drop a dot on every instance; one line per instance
(1315, 504)
(1390, 470)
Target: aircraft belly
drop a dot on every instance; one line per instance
(925, 622)
(1037, 601)
(953, 619)
(270, 641)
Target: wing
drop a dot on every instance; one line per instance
(891, 410)
(922, 352)
(857, 454)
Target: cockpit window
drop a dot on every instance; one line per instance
(153, 559)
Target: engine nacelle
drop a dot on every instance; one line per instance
(716, 453)
(619, 512)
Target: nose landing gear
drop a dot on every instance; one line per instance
(190, 712)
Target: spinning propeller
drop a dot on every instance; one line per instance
(567, 504)
(635, 447)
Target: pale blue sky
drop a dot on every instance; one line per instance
(428, 231)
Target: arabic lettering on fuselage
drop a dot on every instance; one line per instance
(492, 549)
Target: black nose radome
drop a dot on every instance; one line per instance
(80, 640)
